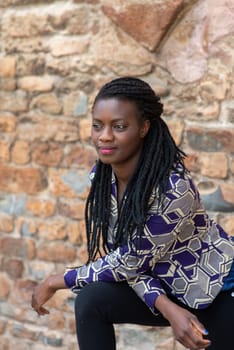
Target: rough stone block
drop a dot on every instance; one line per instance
(17, 247)
(4, 152)
(69, 183)
(147, 23)
(40, 207)
(48, 154)
(71, 209)
(26, 25)
(7, 122)
(5, 286)
(21, 152)
(7, 67)
(38, 127)
(13, 102)
(211, 140)
(7, 84)
(64, 46)
(13, 267)
(48, 103)
(56, 252)
(6, 223)
(35, 83)
(53, 230)
(26, 180)
(79, 156)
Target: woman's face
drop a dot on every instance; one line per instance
(117, 132)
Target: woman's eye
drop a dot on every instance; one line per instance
(97, 126)
(119, 127)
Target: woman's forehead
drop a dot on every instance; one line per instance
(115, 105)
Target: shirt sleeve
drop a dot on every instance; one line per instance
(148, 289)
(135, 261)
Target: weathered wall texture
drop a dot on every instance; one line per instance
(54, 55)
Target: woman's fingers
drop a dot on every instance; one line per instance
(191, 334)
(198, 326)
(196, 338)
(37, 303)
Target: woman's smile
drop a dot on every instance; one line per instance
(107, 150)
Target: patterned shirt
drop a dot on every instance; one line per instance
(182, 251)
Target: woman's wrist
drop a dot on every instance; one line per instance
(55, 282)
(165, 306)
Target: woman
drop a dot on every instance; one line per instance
(165, 262)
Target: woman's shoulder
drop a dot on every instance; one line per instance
(180, 177)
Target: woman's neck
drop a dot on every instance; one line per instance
(123, 174)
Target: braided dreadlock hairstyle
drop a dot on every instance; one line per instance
(159, 156)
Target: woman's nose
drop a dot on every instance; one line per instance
(106, 134)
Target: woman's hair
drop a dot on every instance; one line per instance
(159, 156)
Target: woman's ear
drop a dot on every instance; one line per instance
(145, 128)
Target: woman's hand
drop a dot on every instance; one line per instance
(44, 291)
(186, 327)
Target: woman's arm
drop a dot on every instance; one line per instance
(45, 290)
(186, 327)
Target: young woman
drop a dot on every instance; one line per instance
(165, 262)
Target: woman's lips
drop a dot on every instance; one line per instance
(107, 150)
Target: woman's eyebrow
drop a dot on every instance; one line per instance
(112, 120)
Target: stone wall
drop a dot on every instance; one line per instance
(54, 55)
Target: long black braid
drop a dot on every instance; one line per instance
(159, 156)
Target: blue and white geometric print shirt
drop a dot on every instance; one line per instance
(182, 251)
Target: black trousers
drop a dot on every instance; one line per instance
(99, 305)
